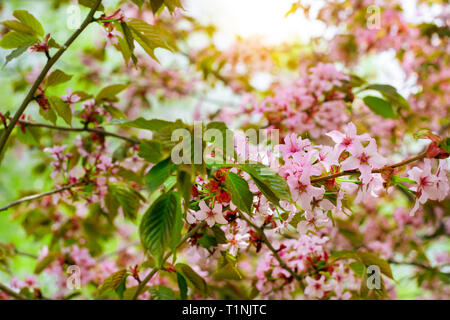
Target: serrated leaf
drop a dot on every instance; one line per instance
(151, 151)
(115, 112)
(173, 4)
(128, 198)
(184, 185)
(240, 192)
(29, 20)
(62, 108)
(182, 285)
(268, 181)
(57, 77)
(369, 259)
(110, 91)
(390, 94)
(195, 280)
(129, 40)
(48, 114)
(150, 37)
(159, 224)
(15, 54)
(156, 5)
(113, 281)
(158, 174)
(358, 268)
(380, 107)
(45, 262)
(17, 26)
(162, 293)
(141, 123)
(14, 39)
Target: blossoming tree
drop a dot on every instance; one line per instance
(307, 189)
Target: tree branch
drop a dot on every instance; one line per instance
(12, 293)
(39, 195)
(347, 172)
(168, 254)
(271, 248)
(29, 97)
(92, 130)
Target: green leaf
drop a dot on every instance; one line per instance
(15, 54)
(159, 224)
(139, 3)
(113, 281)
(158, 174)
(162, 293)
(380, 107)
(29, 20)
(17, 26)
(62, 108)
(57, 77)
(115, 112)
(14, 39)
(151, 151)
(369, 259)
(110, 92)
(196, 281)
(268, 181)
(120, 290)
(240, 193)
(129, 40)
(30, 137)
(172, 4)
(90, 4)
(219, 234)
(141, 123)
(182, 285)
(445, 144)
(128, 198)
(45, 262)
(184, 185)
(156, 5)
(344, 254)
(358, 268)
(48, 114)
(390, 94)
(150, 37)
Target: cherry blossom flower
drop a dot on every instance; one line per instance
(365, 159)
(429, 186)
(316, 288)
(302, 191)
(70, 98)
(349, 140)
(212, 216)
(236, 242)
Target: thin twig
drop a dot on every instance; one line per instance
(144, 282)
(271, 248)
(347, 172)
(12, 293)
(40, 195)
(93, 130)
(29, 97)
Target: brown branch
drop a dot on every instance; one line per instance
(29, 97)
(347, 172)
(39, 195)
(266, 241)
(92, 130)
(12, 293)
